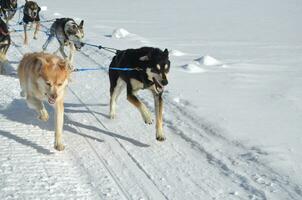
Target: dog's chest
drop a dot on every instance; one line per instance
(136, 84)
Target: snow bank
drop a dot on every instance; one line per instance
(57, 14)
(208, 61)
(193, 68)
(176, 53)
(43, 8)
(120, 33)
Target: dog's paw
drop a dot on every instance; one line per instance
(44, 116)
(147, 118)
(160, 138)
(22, 93)
(59, 147)
(112, 115)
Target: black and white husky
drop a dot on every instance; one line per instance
(5, 39)
(68, 33)
(8, 9)
(144, 68)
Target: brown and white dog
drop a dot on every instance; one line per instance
(44, 77)
(31, 15)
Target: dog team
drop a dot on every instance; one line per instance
(44, 76)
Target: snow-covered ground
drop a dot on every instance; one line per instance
(232, 116)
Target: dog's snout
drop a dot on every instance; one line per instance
(54, 96)
(164, 82)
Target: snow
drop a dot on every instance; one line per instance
(208, 61)
(120, 33)
(193, 68)
(233, 132)
(175, 52)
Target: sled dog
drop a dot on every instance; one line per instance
(144, 68)
(44, 77)
(31, 15)
(68, 33)
(8, 9)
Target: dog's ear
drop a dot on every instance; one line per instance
(81, 24)
(26, 1)
(166, 53)
(40, 63)
(64, 65)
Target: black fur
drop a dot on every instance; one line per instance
(130, 58)
(5, 39)
(8, 8)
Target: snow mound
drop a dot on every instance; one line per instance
(57, 14)
(176, 53)
(208, 61)
(193, 68)
(120, 33)
(43, 8)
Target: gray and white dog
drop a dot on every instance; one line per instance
(68, 33)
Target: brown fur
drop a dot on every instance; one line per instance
(44, 77)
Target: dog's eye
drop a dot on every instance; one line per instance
(60, 84)
(48, 83)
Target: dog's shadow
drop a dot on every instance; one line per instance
(19, 112)
(7, 69)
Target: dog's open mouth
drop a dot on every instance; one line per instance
(159, 88)
(51, 100)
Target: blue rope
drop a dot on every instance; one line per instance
(106, 69)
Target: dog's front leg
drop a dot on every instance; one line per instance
(59, 121)
(25, 34)
(37, 104)
(140, 106)
(37, 30)
(158, 103)
(49, 39)
(61, 49)
(72, 51)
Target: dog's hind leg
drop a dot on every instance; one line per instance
(59, 121)
(115, 91)
(158, 103)
(36, 104)
(139, 105)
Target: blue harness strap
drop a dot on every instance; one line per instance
(106, 69)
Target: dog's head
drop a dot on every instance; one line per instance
(32, 9)
(75, 33)
(53, 76)
(13, 3)
(158, 67)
